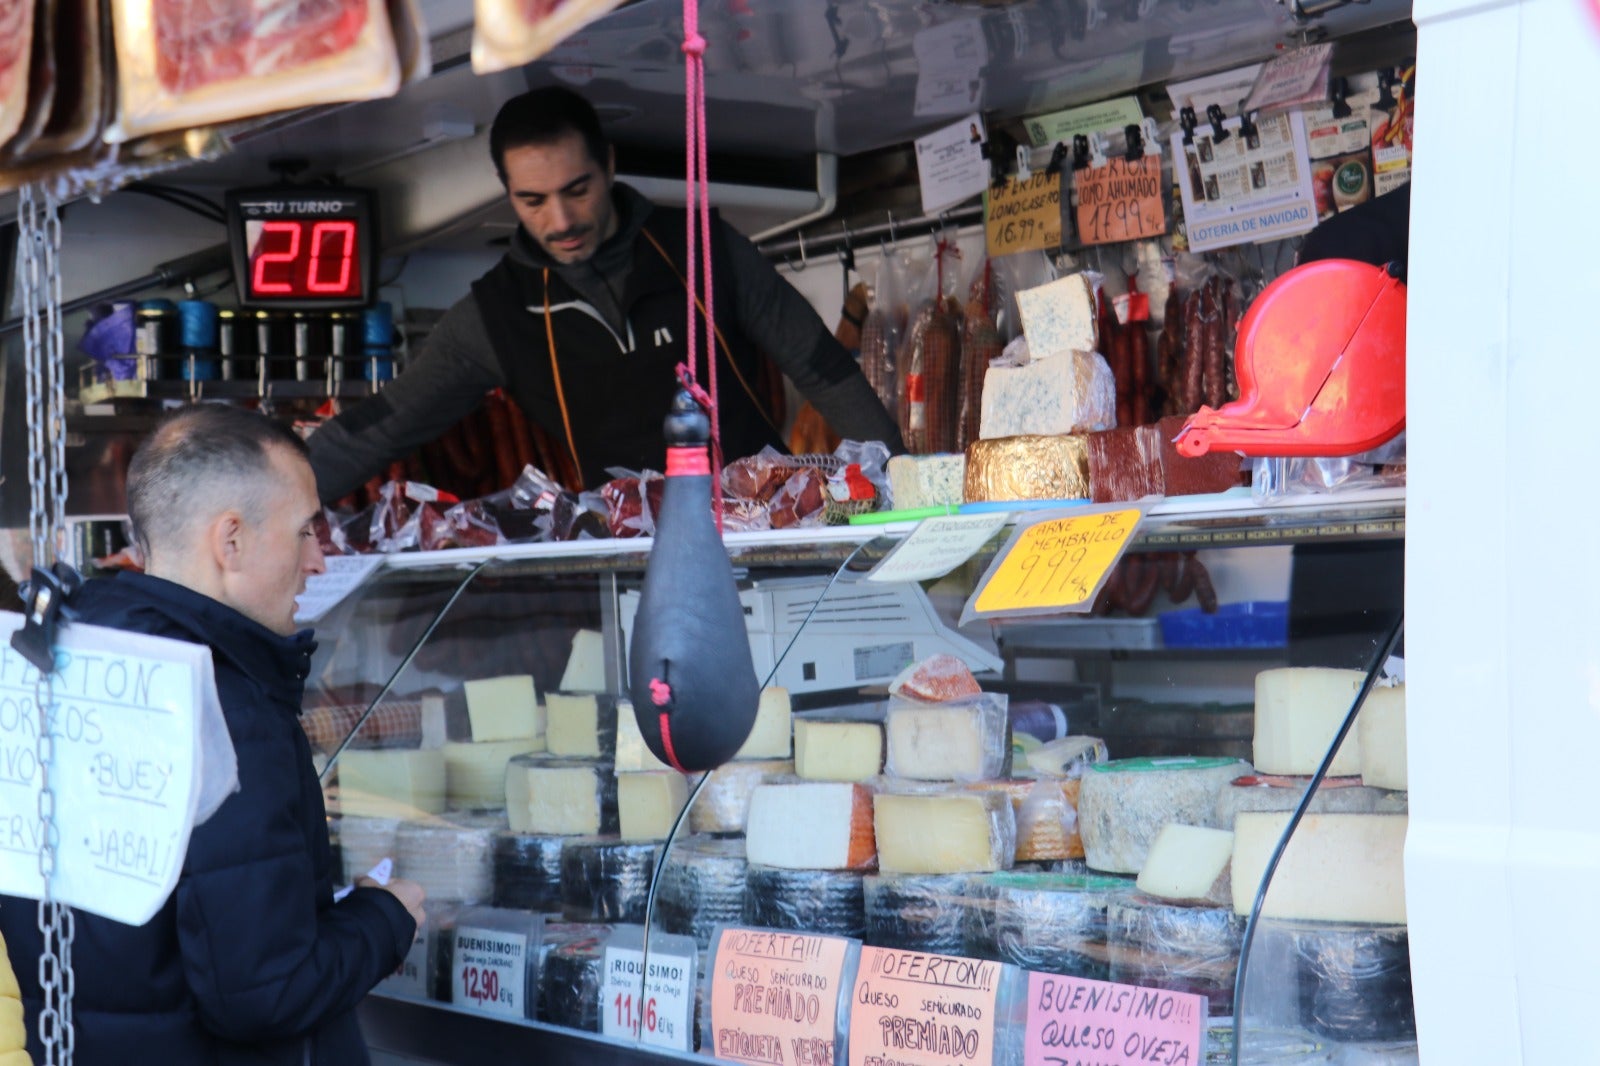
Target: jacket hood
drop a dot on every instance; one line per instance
(144, 604)
(613, 254)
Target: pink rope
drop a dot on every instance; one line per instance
(697, 183)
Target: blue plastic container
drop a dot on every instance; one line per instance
(1258, 624)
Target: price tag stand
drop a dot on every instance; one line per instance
(654, 1007)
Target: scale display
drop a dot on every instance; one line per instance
(303, 248)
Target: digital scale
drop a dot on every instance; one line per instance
(863, 634)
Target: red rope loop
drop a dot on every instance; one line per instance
(697, 179)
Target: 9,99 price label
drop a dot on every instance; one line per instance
(1120, 201)
(491, 969)
(1054, 564)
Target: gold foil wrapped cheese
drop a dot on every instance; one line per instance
(1028, 468)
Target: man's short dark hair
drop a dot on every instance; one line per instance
(541, 117)
(199, 461)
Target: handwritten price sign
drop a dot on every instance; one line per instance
(1121, 201)
(1074, 1020)
(1054, 564)
(1024, 216)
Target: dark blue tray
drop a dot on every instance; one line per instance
(1258, 624)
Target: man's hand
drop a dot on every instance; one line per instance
(409, 893)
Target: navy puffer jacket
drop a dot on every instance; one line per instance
(250, 960)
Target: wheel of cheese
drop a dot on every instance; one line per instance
(1157, 944)
(811, 901)
(1348, 982)
(450, 857)
(702, 886)
(723, 804)
(920, 912)
(1123, 804)
(569, 984)
(527, 871)
(1255, 792)
(604, 879)
(1050, 923)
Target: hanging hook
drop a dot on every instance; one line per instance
(801, 237)
(893, 235)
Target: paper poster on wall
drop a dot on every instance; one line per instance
(950, 164)
(1227, 89)
(1341, 155)
(1062, 126)
(1024, 216)
(1241, 188)
(950, 61)
(1298, 78)
(1392, 129)
(141, 755)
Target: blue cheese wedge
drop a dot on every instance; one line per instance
(1060, 317)
(1071, 393)
(926, 480)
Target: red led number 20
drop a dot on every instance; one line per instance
(322, 234)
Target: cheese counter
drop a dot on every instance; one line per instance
(1042, 813)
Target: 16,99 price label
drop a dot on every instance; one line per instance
(491, 971)
(654, 1007)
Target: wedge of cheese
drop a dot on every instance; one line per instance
(972, 832)
(504, 708)
(648, 803)
(561, 797)
(723, 805)
(586, 666)
(475, 774)
(837, 751)
(812, 826)
(1337, 867)
(770, 737)
(963, 741)
(1298, 712)
(1060, 316)
(1382, 727)
(1189, 863)
(633, 754)
(581, 725)
(392, 783)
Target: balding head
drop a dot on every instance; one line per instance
(221, 500)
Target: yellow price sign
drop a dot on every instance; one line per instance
(1056, 564)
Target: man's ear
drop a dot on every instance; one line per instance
(225, 539)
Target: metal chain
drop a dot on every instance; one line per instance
(39, 235)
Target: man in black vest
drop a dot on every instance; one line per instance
(583, 323)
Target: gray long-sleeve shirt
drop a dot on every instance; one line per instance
(457, 366)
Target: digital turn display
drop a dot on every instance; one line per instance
(303, 248)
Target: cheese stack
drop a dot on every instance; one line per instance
(503, 719)
(604, 879)
(450, 857)
(702, 887)
(1155, 943)
(922, 912)
(392, 783)
(1050, 923)
(527, 871)
(561, 797)
(808, 844)
(1124, 804)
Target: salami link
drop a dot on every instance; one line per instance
(1193, 345)
(521, 436)
(1183, 582)
(1142, 579)
(505, 455)
(1205, 593)
(1139, 360)
(1216, 384)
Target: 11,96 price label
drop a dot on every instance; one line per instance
(654, 1007)
(1054, 564)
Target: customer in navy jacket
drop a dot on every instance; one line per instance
(250, 960)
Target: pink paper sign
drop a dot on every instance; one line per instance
(1073, 1021)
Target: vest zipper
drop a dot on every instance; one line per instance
(589, 309)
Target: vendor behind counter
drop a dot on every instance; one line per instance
(583, 323)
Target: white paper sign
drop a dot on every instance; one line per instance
(950, 164)
(937, 546)
(950, 61)
(127, 773)
(326, 591)
(1292, 79)
(1245, 189)
(490, 971)
(660, 1009)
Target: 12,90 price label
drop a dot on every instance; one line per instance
(1054, 564)
(1121, 201)
(491, 971)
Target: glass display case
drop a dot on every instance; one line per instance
(1077, 821)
